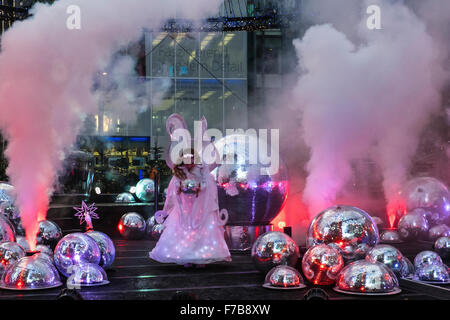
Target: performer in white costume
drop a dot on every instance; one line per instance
(193, 232)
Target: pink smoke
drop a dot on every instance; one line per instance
(46, 73)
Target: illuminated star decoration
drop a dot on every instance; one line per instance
(86, 214)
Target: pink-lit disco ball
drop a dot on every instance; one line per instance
(248, 190)
(321, 264)
(348, 229)
(430, 194)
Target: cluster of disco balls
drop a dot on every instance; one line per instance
(144, 191)
(81, 257)
(132, 226)
(430, 268)
(428, 210)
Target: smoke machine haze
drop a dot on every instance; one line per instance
(46, 76)
(366, 92)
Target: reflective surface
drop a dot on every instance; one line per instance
(145, 190)
(242, 238)
(428, 193)
(88, 274)
(30, 273)
(10, 252)
(157, 230)
(367, 277)
(189, 186)
(49, 233)
(349, 229)
(390, 236)
(107, 249)
(7, 192)
(413, 226)
(45, 249)
(73, 249)
(150, 223)
(409, 267)
(23, 243)
(389, 256)
(12, 213)
(249, 195)
(284, 277)
(438, 231)
(321, 264)
(125, 197)
(7, 232)
(442, 247)
(433, 272)
(426, 257)
(132, 226)
(272, 249)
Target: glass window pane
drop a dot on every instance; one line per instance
(235, 104)
(210, 105)
(163, 55)
(235, 59)
(187, 55)
(187, 101)
(211, 54)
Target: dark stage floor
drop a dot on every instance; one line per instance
(135, 276)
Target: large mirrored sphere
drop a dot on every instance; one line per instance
(45, 249)
(145, 190)
(150, 223)
(30, 273)
(411, 270)
(284, 277)
(441, 230)
(249, 191)
(321, 264)
(73, 249)
(367, 277)
(390, 236)
(390, 257)
(10, 252)
(7, 232)
(125, 197)
(413, 226)
(88, 274)
(272, 249)
(350, 229)
(132, 226)
(442, 247)
(426, 257)
(430, 194)
(433, 272)
(49, 233)
(107, 249)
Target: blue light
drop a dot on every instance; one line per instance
(114, 138)
(139, 139)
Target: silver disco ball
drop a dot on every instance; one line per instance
(132, 226)
(157, 231)
(389, 256)
(30, 273)
(49, 233)
(10, 252)
(284, 277)
(321, 264)
(107, 249)
(390, 236)
(248, 191)
(413, 226)
(10, 211)
(45, 249)
(190, 186)
(433, 272)
(45, 256)
(149, 224)
(87, 275)
(441, 230)
(426, 257)
(125, 197)
(364, 277)
(272, 249)
(378, 221)
(22, 241)
(145, 190)
(349, 229)
(7, 232)
(442, 247)
(430, 194)
(73, 249)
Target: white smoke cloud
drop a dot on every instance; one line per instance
(46, 73)
(370, 92)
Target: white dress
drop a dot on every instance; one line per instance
(193, 233)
